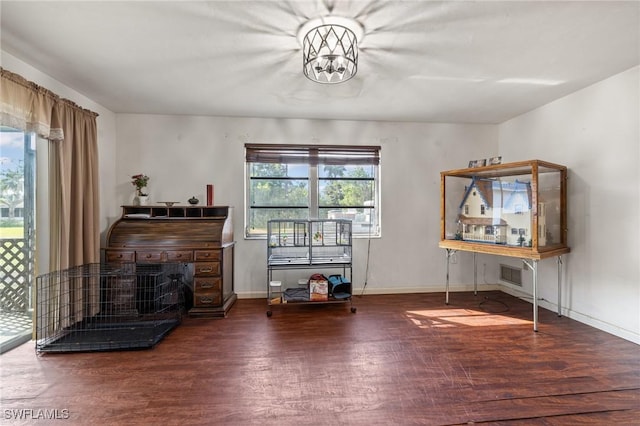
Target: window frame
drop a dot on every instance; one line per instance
(315, 157)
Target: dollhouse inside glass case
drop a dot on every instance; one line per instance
(512, 209)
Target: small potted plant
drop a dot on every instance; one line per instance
(140, 181)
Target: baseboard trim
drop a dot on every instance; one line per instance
(575, 315)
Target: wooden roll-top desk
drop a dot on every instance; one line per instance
(198, 235)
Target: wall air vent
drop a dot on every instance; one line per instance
(511, 275)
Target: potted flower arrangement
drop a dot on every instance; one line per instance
(140, 181)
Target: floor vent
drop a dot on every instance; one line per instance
(511, 275)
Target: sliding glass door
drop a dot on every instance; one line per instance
(17, 235)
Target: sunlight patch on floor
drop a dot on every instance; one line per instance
(443, 318)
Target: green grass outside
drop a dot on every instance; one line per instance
(12, 232)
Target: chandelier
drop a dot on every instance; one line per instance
(330, 50)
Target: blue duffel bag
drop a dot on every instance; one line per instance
(339, 287)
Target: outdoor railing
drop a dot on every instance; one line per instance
(16, 272)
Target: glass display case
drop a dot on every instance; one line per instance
(513, 209)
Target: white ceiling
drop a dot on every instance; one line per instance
(452, 61)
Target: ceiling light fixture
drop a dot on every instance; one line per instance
(330, 49)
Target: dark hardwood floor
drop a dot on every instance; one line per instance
(401, 359)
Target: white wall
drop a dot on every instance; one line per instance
(182, 154)
(595, 132)
(106, 123)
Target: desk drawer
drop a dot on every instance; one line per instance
(149, 256)
(206, 285)
(207, 292)
(207, 268)
(207, 255)
(204, 300)
(179, 256)
(120, 256)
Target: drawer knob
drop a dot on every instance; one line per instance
(206, 300)
(209, 269)
(206, 285)
(148, 256)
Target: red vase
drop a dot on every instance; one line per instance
(209, 195)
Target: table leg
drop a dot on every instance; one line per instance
(559, 286)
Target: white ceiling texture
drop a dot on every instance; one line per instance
(426, 61)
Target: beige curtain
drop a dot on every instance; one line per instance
(27, 106)
(74, 198)
(73, 186)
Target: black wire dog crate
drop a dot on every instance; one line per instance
(104, 307)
